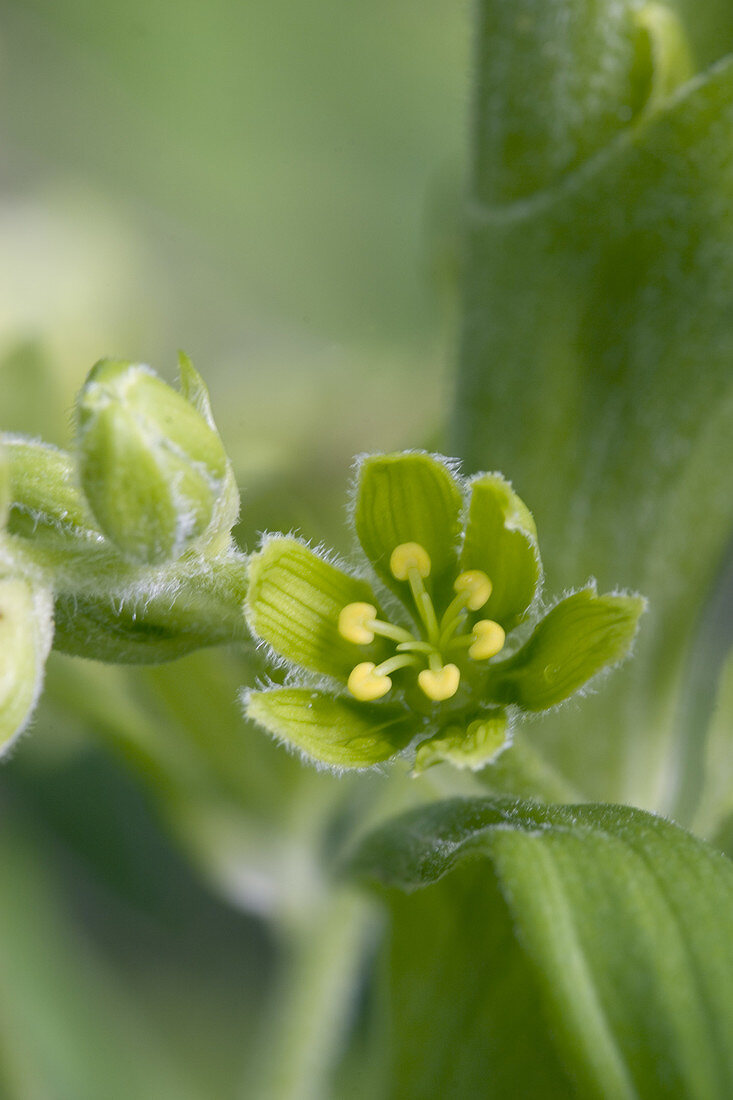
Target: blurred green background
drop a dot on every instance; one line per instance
(273, 186)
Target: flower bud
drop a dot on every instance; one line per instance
(151, 462)
(47, 521)
(25, 639)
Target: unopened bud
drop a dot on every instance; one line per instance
(25, 639)
(151, 462)
(46, 514)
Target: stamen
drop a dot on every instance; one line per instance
(411, 562)
(393, 663)
(476, 586)
(424, 605)
(451, 619)
(473, 590)
(407, 556)
(389, 630)
(488, 639)
(357, 624)
(439, 684)
(365, 683)
(416, 647)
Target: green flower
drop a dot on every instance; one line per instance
(445, 646)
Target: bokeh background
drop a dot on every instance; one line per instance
(275, 187)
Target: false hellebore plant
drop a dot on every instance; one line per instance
(446, 646)
(128, 541)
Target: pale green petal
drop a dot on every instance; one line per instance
(294, 602)
(408, 498)
(501, 540)
(469, 748)
(331, 729)
(579, 637)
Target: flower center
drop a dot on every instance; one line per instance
(427, 651)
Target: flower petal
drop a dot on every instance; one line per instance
(501, 540)
(579, 637)
(403, 498)
(470, 748)
(331, 729)
(294, 602)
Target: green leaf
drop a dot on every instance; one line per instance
(578, 638)
(715, 798)
(501, 540)
(408, 498)
(621, 973)
(662, 50)
(471, 748)
(26, 630)
(605, 298)
(330, 729)
(559, 81)
(294, 602)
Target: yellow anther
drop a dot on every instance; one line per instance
(365, 683)
(439, 684)
(354, 623)
(407, 556)
(488, 637)
(475, 585)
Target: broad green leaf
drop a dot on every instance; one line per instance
(331, 729)
(621, 972)
(294, 602)
(715, 799)
(662, 50)
(545, 103)
(708, 28)
(578, 638)
(501, 540)
(405, 498)
(605, 297)
(26, 630)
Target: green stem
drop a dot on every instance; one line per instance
(315, 1004)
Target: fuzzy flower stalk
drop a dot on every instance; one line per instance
(436, 642)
